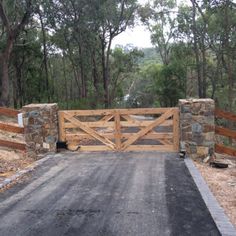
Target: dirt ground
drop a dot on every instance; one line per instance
(11, 160)
(222, 183)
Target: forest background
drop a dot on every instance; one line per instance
(61, 51)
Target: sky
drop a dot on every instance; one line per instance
(139, 36)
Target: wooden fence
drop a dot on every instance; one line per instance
(121, 129)
(226, 132)
(11, 127)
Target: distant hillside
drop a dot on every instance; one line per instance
(150, 56)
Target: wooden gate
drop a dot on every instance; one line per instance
(121, 129)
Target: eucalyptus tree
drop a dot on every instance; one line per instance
(14, 17)
(124, 66)
(222, 35)
(112, 18)
(160, 18)
(84, 31)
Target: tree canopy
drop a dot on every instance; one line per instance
(61, 51)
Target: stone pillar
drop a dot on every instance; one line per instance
(41, 128)
(197, 127)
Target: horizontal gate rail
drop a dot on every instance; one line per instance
(121, 129)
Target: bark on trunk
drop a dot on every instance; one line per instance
(5, 57)
(45, 57)
(95, 73)
(83, 82)
(12, 29)
(196, 51)
(65, 80)
(104, 75)
(4, 101)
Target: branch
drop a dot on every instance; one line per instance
(4, 16)
(25, 18)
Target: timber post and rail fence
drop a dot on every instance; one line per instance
(11, 127)
(225, 132)
(191, 124)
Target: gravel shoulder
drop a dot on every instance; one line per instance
(222, 183)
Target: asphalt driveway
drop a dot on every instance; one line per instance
(106, 194)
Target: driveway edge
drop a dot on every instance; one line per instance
(222, 222)
(27, 170)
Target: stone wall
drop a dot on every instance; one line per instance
(197, 131)
(41, 128)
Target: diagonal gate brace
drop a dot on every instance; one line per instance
(145, 130)
(89, 131)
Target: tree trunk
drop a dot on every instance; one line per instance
(4, 100)
(65, 79)
(204, 82)
(95, 80)
(45, 57)
(104, 75)
(5, 57)
(12, 30)
(107, 75)
(83, 83)
(196, 51)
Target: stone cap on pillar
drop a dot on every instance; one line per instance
(194, 100)
(33, 106)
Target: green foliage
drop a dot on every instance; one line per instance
(63, 53)
(158, 85)
(124, 64)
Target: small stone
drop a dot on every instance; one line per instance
(50, 139)
(46, 146)
(196, 128)
(207, 159)
(202, 151)
(33, 114)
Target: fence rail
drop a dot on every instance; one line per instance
(226, 132)
(11, 127)
(9, 112)
(13, 145)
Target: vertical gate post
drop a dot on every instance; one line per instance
(176, 134)
(197, 126)
(61, 125)
(117, 131)
(41, 128)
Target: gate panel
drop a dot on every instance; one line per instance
(121, 129)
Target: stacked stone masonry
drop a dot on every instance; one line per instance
(197, 126)
(41, 128)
